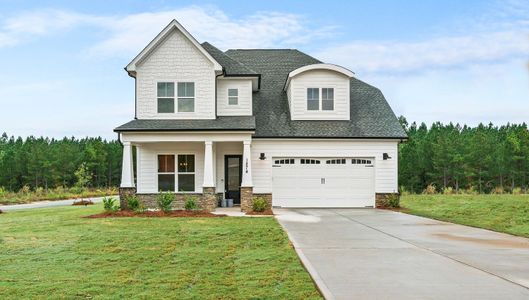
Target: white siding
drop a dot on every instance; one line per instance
(147, 181)
(222, 149)
(175, 59)
(385, 170)
(244, 107)
(297, 93)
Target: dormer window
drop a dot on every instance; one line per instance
(186, 97)
(313, 99)
(165, 97)
(233, 96)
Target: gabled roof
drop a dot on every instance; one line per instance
(231, 66)
(131, 67)
(371, 116)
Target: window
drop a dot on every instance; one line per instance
(340, 161)
(327, 99)
(359, 161)
(165, 96)
(305, 161)
(166, 174)
(233, 96)
(186, 97)
(186, 173)
(313, 99)
(288, 161)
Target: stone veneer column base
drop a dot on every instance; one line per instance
(246, 198)
(380, 199)
(123, 193)
(209, 199)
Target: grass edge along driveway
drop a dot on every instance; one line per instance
(503, 213)
(55, 253)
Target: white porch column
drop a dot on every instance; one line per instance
(127, 171)
(246, 165)
(209, 179)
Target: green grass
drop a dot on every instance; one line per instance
(26, 196)
(54, 253)
(503, 213)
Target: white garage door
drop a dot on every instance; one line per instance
(323, 182)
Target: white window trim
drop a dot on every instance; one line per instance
(176, 171)
(320, 99)
(175, 97)
(228, 96)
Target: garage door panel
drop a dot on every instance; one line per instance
(323, 185)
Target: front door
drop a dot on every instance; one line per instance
(233, 177)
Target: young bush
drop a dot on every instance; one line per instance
(191, 204)
(133, 203)
(109, 204)
(164, 201)
(393, 201)
(3, 192)
(448, 190)
(517, 191)
(430, 190)
(498, 190)
(259, 205)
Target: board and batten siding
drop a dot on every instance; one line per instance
(176, 59)
(297, 95)
(147, 178)
(386, 171)
(244, 106)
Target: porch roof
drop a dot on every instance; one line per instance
(232, 123)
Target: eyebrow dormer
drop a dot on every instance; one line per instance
(319, 92)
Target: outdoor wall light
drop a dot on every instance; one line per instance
(385, 156)
(262, 156)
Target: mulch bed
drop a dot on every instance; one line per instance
(83, 202)
(156, 214)
(267, 212)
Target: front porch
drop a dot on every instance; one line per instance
(207, 167)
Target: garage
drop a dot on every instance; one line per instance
(323, 182)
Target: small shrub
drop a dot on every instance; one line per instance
(448, 191)
(391, 201)
(259, 205)
(3, 192)
(430, 190)
(133, 203)
(404, 191)
(191, 204)
(109, 204)
(498, 190)
(472, 190)
(517, 191)
(141, 208)
(164, 201)
(25, 190)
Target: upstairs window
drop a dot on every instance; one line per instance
(165, 97)
(233, 96)
(186, 97)
(313, 99)
(327, 99)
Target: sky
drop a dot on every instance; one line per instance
(451, 61)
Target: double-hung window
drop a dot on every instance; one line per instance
(165, 95)
(186, 173)
(233, 96)
(327, 99)
(166, 173)
(186, 97)
(313, 99)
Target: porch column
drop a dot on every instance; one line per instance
(209, 179)
(127, 171)
(246, 165)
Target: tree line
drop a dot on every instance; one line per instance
(448, 157)
(47, 163)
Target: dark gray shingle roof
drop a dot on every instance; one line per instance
(230, 65)
(238, 123)
(371, 116)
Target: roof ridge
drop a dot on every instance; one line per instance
(206, 45)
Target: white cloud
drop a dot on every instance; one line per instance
(387, 56)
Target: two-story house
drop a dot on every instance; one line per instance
(240, 124)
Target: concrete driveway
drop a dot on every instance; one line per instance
(379, 254)
(51, 203)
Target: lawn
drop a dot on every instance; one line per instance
(54, 253)
(504, 213)
(27, 195)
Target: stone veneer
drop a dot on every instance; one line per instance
(380, 199)
(207, 200)
(123, 193)
(247, 197)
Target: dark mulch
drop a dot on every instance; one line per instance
(83, 202)
(157, 214)
(267, 212)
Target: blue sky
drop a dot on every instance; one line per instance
(460, 61)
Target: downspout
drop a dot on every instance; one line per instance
(216, 77)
